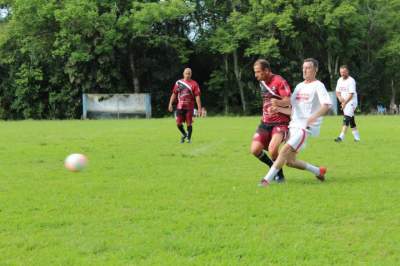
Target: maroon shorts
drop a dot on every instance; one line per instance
(265, 132)
(183, 115)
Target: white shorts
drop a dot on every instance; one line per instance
(297, 138)
(349, 109)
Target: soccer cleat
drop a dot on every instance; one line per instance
(183, 139)
(263, 183)
(279, 179)
(322, 172)
(189, 140)
(338, 139)
(356, 140)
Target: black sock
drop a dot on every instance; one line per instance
(263, 157)
(190, 130)
(180, 127)
(280, 174)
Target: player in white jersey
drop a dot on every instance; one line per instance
(347, 96)
(309, 101)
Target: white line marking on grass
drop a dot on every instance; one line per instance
(203, 149)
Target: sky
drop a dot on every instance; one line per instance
(3, 12)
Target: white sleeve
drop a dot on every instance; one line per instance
(338, 85)
(293, 96)
(323, 95)
(352, 86)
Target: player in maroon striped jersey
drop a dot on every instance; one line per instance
(273, 128)
(187, 91)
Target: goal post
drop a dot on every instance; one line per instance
(118, 105)
(334, 107)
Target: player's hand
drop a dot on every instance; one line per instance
(311, 121)
(199, 113)
(273, 110)
(170, 108)
(274, 102)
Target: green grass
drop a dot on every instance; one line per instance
(145, 199)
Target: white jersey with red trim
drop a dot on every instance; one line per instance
(307, 99)
(345, 87)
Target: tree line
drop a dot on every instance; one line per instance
(52, 51)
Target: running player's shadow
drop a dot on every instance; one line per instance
(332, 180)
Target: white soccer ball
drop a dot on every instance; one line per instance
(76, 162)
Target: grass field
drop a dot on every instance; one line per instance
(145, 199)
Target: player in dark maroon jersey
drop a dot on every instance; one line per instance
(187, 91)
(273, 128)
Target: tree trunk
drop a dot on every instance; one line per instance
(393, 107)
(393, 98)
(226, 93)
(135, 79)
(238, 76)
(333, 66)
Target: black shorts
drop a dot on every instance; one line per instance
(349, 121)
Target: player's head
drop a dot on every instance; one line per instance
(187, 73)
(344, 71)
(310, 69)
(262, 69)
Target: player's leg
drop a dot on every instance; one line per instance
(318, 171)
(180, 118)
(277, 166)
(297, 142)
(260, 141)
(273, 147)
(346, 123)
(257, 149)
(189, 122)
(354, 130)
(297, 138)
(278, 135)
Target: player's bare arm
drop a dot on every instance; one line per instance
(339, 97)
(322, 111)
(198, 101)
(171, 101)
(284, 102)
(347, 100)
(283, 110)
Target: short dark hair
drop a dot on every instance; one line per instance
(344, 66)
(313, 61)
(263, 63)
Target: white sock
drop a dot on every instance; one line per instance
(341, 135)
(313, 169)
(271, 174)
(356, 134)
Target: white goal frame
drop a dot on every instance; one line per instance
(117, 105)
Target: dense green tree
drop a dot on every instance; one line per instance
(389, 52)
(52, 51)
